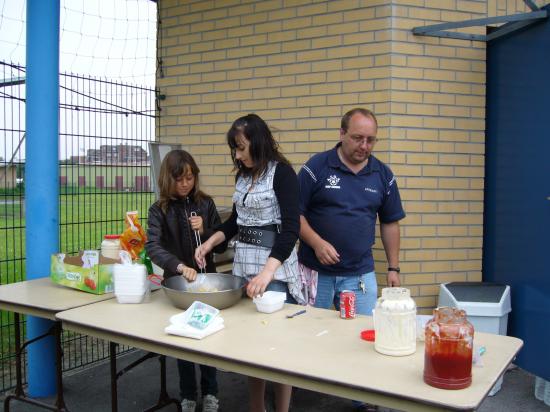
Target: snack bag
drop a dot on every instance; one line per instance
(133, 238)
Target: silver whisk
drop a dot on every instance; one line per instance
(198, 242)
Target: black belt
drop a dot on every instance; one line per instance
(259, 235)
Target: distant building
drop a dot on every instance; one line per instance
(122, 153)
(8, 175)
(114, 154)
(93, 156)
(120, 177)
(77, 160)
(120, 167)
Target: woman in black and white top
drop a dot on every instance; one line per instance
(266, 217)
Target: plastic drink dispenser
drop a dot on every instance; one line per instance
(448, 349)
(395, 322)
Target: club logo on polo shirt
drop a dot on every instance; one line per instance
(368, 189)
(333, 181)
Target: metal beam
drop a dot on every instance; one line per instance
(14, 81)
(440, 30)
(531, 5)
(456, 35)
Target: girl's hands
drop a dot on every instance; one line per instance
(257, 285)
(188, 273)
(206, 247)
(201, 252)
(197, 223)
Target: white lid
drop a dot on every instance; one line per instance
(476, 308)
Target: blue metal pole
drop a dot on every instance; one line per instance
(41, 176)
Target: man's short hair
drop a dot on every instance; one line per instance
(344, 124)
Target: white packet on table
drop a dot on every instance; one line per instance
(199, 316)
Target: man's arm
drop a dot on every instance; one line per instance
(324, 251)
(389, 232)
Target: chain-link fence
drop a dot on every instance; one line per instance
(104, 131)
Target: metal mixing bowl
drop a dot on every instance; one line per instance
(220, 290)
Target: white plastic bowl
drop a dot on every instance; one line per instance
(270, 302)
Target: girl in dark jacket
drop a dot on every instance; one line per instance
(181, 209)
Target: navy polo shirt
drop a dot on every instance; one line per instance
(342, 207)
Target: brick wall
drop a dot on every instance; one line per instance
(301, 64)
(437, 145)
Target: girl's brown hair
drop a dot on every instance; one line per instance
(263, 147)
(175, 164)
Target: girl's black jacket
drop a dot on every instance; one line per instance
(170, 239)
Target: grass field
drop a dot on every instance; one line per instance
(84, 219)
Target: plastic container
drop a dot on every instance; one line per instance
(270, 301)
(130, 283)
(130, 298)
(486, 304)
(395, 322)
(110, 246)
(448, 349)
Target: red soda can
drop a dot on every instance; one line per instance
(347, 304)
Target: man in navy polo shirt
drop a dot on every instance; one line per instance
(341, 193)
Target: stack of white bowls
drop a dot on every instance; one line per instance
(131, 284)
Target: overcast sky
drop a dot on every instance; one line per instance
(110, 39)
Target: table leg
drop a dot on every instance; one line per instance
(115, 374)
(19, 394)
(60, 401)
(163, 399)
(114, 377)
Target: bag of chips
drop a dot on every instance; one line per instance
(133, 238)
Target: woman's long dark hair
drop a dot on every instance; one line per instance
(175, 164)
(263, 147)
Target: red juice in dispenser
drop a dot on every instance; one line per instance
(448, 349)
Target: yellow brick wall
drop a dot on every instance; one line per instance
(301, 64)
(298, 64)
(437, 145)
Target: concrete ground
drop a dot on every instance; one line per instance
(88, 390)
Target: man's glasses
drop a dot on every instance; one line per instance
(361, 139)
